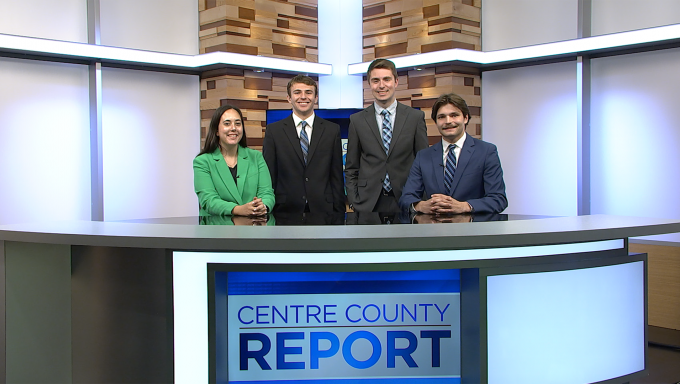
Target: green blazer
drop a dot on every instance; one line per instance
(217, 192)
(228, 220)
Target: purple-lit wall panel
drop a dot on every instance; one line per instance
(635, 162)
(44, 141)
(530, 114)
(150, 137)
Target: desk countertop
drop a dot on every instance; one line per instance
(493, 234)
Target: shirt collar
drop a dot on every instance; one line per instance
(459, 143)
(392, 108)
(309, 120)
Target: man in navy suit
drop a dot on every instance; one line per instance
(304, 155)
(460, 174)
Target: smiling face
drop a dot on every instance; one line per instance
(451, 122)
(302, 97)
(383, 85)
(230, 129)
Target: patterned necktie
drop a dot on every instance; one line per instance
(450, 169)
(386, 139)
(304, 140)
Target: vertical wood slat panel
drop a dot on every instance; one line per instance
(235, 26)
(420, 89)
(252, 92)
(663, 274)
(450, 24)
(271, 28)
(429, 26)
(434, 26)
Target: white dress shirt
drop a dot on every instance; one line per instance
(298, 126)
(392, 109)
(456, 151)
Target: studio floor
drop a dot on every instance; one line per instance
(663, 357)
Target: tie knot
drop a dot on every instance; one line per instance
(385, 113)
(452, 147)
(303, 124)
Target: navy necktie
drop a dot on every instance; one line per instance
(304, 140)
(386, 139)
(450, 169)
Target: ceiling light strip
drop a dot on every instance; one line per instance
(36, 46)
(584, 45)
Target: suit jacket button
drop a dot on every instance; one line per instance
(304, 198)
(306, 178)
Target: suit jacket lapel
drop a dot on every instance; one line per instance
(463, 159)
(438, 165)
(317, 133)
(291, 132)
(369, 116)
(399, 122)
(242, 172)
(225, 174)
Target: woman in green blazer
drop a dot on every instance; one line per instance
(229, 177)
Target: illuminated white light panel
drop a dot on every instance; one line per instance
(190, 281)
(583, 45)
(99, 52)
(563, 327)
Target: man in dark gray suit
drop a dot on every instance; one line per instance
(382, 142)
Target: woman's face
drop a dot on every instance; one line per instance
(230, 129)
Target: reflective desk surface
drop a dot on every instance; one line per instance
(345, 232)
(336, 218)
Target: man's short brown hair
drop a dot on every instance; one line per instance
(453, 99)
(381, 63)
(302, 79)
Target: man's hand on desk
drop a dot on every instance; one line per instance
(436, 219)
(442, 204)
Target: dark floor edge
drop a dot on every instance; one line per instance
(663, 337)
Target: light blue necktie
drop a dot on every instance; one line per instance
(386, 139)
(304, 140)
(450, 169)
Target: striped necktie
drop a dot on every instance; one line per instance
(450, 169)
(386, 139)
(304, 140)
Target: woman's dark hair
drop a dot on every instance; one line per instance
(211, 139)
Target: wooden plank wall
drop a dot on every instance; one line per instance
(663, 278)
(262, 26)
(285, 29)
(255, 92)
(420, 89)
(252, 92)
(404, 27)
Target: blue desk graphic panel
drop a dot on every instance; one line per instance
(337, 327)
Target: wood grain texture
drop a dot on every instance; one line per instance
(252, 92)
(420, 89)
(663, 279)
(288, 29)
(370, 11)
(394, 28)
(285, 29)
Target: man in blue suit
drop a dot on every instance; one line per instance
(460, 174)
